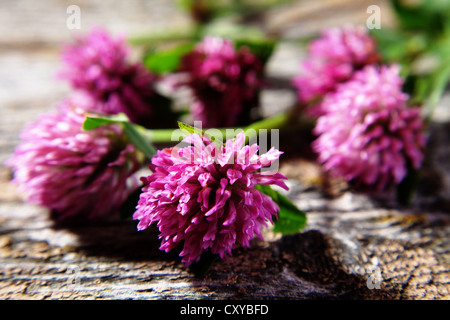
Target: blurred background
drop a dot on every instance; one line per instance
(33, 33)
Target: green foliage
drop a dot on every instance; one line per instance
(204, 11)
(190, 129)
(132, 131)
(167, 61)
(290, 218)
(430, 16)
(262, 48)
(163, 61)
(421, 45)
(92, 122)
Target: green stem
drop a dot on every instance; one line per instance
(274, 122)
(167, 135)
(158, 135)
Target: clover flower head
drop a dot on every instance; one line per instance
(77, 174)
(97, 65)
(225, 82)
(369, 134)
(203, 196)
(333, 58)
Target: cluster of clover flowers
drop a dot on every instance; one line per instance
(208, 196)
(366, 130)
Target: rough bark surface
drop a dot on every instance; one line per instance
(354, 246)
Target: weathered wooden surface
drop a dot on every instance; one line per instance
(354, 247)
